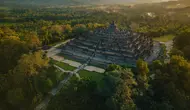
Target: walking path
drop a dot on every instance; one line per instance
(54, 91)
(169, 46)
(77, 64)
(54, 50)
(157, 48)
(155, 53)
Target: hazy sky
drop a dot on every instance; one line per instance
(139, 0)
(154, 0)
(102, 1)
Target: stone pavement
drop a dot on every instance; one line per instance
(77, 64)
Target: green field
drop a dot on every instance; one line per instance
(83, 73)
(91, 75)
(4, 8)
(62, 55)
(63, 65)
(164, 38)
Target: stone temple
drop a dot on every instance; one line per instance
(109, 46)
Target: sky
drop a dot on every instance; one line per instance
(148, 1)
(154, 0)
(102, 1)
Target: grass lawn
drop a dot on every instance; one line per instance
(91, 75)
(4, 8)
(83, 73)
(63, 65)
(164, 38)
(7, 23)
(65, 56)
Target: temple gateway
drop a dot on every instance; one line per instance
(109, 46)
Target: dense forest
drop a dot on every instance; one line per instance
(27, 74)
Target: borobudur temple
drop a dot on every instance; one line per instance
(109, 46)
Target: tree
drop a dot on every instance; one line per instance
(119, 87)
(182, 39)
(31, 64)
(57, 29)
(142, 71)
(175, 51)
(122, 98)
(44, 35)
(15, 96)
(170, 84)
(113, 67)
(90, 26)
(157, 64)
(79, 29)
(78, 95)
(11, 49)
(182, 42)
(6, 32)
(21, 80)
(43, 84)
(186, 51)
(67, 29)
(32, 40)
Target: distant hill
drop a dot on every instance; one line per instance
(75, 2)
(45, 2)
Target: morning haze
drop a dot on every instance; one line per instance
(94, 55)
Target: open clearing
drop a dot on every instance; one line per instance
(91, 75)
(165, 38)
(95, 76)
(65, 66)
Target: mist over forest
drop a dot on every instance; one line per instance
(78, 2)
